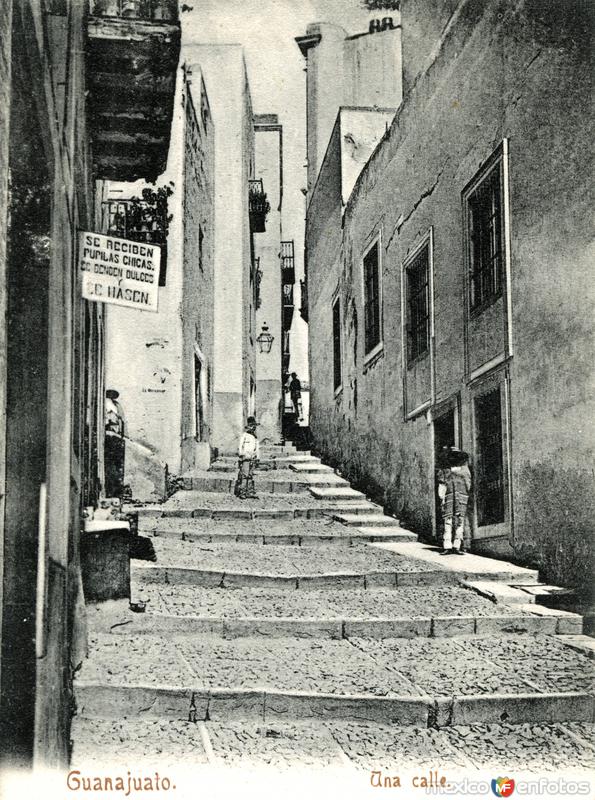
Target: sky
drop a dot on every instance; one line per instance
(267, 30)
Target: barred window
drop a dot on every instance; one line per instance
(490, 467)
(337, 374)
(418, 306)
(372, 298)
(485, 237)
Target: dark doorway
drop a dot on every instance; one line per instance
(490, 466)
(28, 260)
(198, 399)
(444, 436)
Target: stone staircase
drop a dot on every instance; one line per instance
(308, 628)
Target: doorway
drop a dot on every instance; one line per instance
(198, 399)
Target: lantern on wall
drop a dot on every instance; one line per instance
(265, 340)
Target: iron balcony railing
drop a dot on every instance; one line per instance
(140, 222)
(287, 262)
(153, 10)
(258, 205)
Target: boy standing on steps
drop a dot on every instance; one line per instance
(454, 493)
(248, 455)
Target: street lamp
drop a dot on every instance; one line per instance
(265, 340)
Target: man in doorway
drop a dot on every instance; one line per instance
(453, 489)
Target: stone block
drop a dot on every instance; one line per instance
(278, 628)
(452, 626)
(516, 709)
(332, 582)
(274, 513)
(192, 577)
(232, 513)
(235, 704)
(182, 513)
(108, 702)
(392, 710)
(235, 580)
(281, 539)
(375, 580)
(387, 628)
(515, 624)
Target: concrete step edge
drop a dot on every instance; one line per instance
(329, 628)
(172, 574)
(201, 703)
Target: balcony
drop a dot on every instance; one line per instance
(140, 221)
(288, 305)
(304, 294)
(287, 262)
(132, 52)
(258, 205)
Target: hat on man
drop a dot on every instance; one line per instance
(112, 394)
(457, 458)
(251, 422)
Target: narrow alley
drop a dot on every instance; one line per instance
(307, 629)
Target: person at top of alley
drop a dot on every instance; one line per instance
(295, 391)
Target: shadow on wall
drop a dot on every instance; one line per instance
(549, 532)
(377, 468)
(144, 473)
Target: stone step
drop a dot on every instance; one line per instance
(501, 592)
(311, 469)
(275, 481)
(350, 750)
(179, 610)
(486, 569)
(267, 531)
(409, 682)
(241, 565)
(230, 464)
(336, 493)
(374, 520)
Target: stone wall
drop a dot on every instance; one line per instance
(197, 297)
(536, 343)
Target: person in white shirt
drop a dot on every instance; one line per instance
(248, 455)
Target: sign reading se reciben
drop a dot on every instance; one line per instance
(119, 271)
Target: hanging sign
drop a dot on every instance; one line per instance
(119, 271)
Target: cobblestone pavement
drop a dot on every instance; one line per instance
(403, 602)
(138, 742)
(189, 500)
(430, 675)
(268, 529)
(282, 559)
(433, 667)
(549, 748)
(484, 664)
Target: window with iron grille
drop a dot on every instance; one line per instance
(372, 298)
(490, 466)
(337, 376)
(485, 240)
(418, 306)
